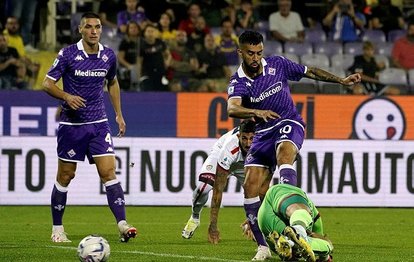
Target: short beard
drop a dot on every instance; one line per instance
(250, 69)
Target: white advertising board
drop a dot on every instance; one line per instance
(163, 171)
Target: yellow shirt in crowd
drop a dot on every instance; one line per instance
(15, 41)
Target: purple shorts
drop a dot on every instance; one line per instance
(263, 149)
(74, 142)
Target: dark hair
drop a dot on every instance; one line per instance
(225, 20)
(90, 15)
(171, 21)
(149, 25)
(368, 45)
(251, 38)
(247, 126)
(132, 22)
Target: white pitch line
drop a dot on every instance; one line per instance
(162, 255)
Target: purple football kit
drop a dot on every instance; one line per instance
(270, 91)
(86, 130)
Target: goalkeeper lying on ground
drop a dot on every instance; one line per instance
(292, 225)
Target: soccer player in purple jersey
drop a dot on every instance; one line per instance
(260, 89)
(83, 128)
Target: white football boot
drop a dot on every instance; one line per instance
(59, 235)
(263, 253)
(126, 231)
(190, 227)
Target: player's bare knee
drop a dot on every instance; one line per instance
(107, 174)
(286, 153)
(64, 177)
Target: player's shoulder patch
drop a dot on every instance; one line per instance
(230, 90)
(56, 62)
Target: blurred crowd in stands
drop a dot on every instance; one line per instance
(191, 46)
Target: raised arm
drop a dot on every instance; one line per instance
(327, 20)
(359, 22)
(115, 96)
(322, 75)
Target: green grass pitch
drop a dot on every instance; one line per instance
(358, 234)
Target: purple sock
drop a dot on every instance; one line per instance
(58, 204)
(116, 202)
(251, 214)
(287, 175)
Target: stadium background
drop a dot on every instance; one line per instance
(168, 139)
(165, 132)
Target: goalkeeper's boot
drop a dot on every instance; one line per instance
(263, 253)
(301, 247)
(281, 245)
(190, 227)
(59, 235)
(126, 231)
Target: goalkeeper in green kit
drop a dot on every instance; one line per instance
(292, 225)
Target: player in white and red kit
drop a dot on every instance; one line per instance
(226, 158)
(260, 89)
(83, 125)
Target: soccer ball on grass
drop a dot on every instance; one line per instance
(93, 248)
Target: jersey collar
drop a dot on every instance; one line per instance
(81, 48)
(241, 73)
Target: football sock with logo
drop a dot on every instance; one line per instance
(200, 197)
(287, 175)
(251, 207)
(58, 203)
(301, 220)
(116, 201)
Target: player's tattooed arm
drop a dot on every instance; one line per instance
(322, 75)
